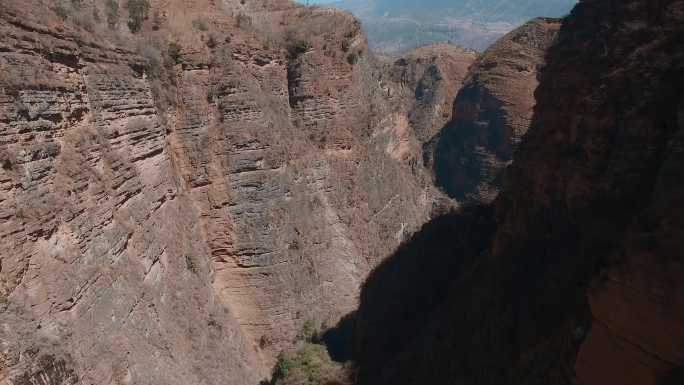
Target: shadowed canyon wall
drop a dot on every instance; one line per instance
(492, 113)
(582, 280)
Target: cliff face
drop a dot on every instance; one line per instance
(184, 199)
(175, 204)
(105, 268)
(430, 73)
(492, 112)
(582, 280)
(600, 172)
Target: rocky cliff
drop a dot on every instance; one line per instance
(600, 171)
(176, 203)
(492, 112)
(580, 278)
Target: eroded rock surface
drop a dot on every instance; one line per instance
(492, 112)
(173, 216)
(582, 282)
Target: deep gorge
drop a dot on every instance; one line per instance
(241, 192)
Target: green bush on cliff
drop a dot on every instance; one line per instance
(3, 302)
(138, 11)
(301, 46)
(308, 365)
(282, 367)
(174, 52)
(308, 332)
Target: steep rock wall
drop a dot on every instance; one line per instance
(175, 217)
(492, 112)
(582, 282)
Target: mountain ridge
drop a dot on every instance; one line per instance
(396, 26)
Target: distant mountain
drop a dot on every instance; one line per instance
(393, 26)
(509, 11)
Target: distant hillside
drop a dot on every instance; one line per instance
(393, 26)
(509, 11)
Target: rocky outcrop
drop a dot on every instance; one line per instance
(492, 112)
(105, 273)
(176, 204)
(582, 282)
(431, 72)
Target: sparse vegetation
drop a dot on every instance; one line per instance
(6, 164)
(296, 44)
(211, 41)
(153, 61)
(200, 24)
(21, 108)
(301, 46)
(156, 21)
(308, 333)
(84, 20)
(282, 367)
(243, 20)
(77, 12)
(174, 52)
(211, 93)
(158, 66)
(310, 364)
(138, 11)
(96, 15)
(112, 13)
(352, 58)
(61, 10)
(294, 245)
(190, 264)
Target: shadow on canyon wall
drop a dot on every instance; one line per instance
(399, 298)
(442, 310)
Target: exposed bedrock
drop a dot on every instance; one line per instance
(582, 281)
(492, 112)
(175, 204)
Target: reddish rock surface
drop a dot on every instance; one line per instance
(492, 112)
(176, 203)
(603, 160)
(583, 282)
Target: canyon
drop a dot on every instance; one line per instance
(180, 203)
(187, 205)
(573, 273)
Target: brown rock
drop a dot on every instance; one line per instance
(173, 216)
(492, 112)
(596, 180)
(583, 280)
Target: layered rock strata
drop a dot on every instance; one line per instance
(175, 204)
(492, 112)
